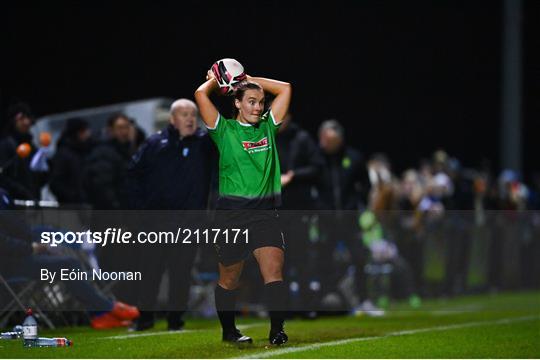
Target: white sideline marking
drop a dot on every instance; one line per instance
(249, 326)
(269, 353)
(166, 332)
(457, 310)
(143, 334)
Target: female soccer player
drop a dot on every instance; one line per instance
(249, 180)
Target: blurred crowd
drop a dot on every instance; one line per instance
(85, 169)
(90, 168)
(393, 214)
(75, 171)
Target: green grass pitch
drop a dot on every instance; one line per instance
(486, 326)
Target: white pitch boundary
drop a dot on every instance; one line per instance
(144, 334)
(166, 332)
(285, 350)
(457, 310)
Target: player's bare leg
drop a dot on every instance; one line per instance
(270, 261)
(229, 276)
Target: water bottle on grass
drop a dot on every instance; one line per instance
(29, 330)
(53, 342)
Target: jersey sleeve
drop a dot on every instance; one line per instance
(216, 132)
(272, 122)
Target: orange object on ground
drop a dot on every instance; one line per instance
(108, 321)
(124, 312)
(120, 315)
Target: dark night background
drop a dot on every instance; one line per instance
(405, 78)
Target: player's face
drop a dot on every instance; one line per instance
(184, 119)
(252, 106)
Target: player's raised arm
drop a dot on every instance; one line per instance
(281, 90)
(207, 109)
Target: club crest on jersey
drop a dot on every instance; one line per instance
(255, 146)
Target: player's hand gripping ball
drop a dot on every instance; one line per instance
(228, 74)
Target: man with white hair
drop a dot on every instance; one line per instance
(171, 171)
(184, 117)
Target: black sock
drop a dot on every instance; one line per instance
(225, 306)
(276, 302)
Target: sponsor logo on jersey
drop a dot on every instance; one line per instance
(255, 146)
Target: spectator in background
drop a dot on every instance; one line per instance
(136, 136)
(344, 182)
(449, 192)
(343, 185)
(15, 174)
(171, 171)
(410, 238)
(511, 231)
(383, 201)
(74, 146)
(459, 204)
(105, 176)
(382, 194)
(105, 171)
(300, 163)
(513, 193)
(182, 144)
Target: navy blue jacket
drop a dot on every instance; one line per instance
(169, 173)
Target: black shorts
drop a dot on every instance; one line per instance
(257, 228)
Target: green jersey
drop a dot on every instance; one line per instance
(249, 174)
